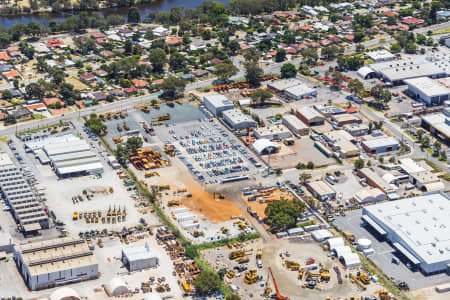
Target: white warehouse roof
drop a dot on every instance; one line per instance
(428, 86)
(300, 90)
(421, 225)
(138, 252)
(217, 100)
(66, 147)
(283, 84)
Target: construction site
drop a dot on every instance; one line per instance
(300, 267)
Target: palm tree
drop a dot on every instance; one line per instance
(304, 177)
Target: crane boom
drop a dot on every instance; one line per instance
(278, 296)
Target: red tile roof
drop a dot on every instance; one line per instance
(130, 90)
(54, 43)
(139, 83)
(4, 56)
(35, 106)
(11, 74)
(412, 21)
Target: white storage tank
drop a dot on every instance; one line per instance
(364, 244)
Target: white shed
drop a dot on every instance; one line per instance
(350, 260)
(335, 242)
(342, 251)
(321, 235)
(116, 287)
(64, 293)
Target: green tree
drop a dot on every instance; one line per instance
(260, 96)
(359, 164)
(177, 61)
(207, 283)
(133, 144)
(437, 147)
(224, 71)
(134, 15)
(410, 47)
(95, 125)
(254, 73)
(337, 79)
(420, 133)
(283, 214)
(355, 86)
(288, 70)
(281, 55)
(158, 58)
(396, 47)
(172, 87)
(232, 297)
(234, 46)
(304, 177)
(425, 141)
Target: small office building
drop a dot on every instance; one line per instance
(321, 190)
(300, 91)
(140, 257)
(217, 103)
(272, 132)
(380, 145)
(310, 116)
(237, 120)
(295, 125)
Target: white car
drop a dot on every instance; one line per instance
(6, 208)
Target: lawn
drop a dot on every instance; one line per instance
(77, 84)
(411, 136)
(441, 31)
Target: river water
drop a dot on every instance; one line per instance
(145, 9)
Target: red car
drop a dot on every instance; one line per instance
(310, 261)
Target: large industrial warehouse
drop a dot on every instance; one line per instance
(73, 158)
(55, 262)
(17, 193)
(419, 228)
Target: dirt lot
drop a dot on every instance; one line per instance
(275, 195)
(303, 151)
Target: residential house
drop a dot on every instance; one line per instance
(4, 57)
(139, 83)
(87, 77)
(11, 75)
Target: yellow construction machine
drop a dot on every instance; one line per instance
(324, 275)
(251, 276)
(363, 277)
(292, 265)
(238, 253)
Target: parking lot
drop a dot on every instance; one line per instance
(210, 152)
(384, 253)
(122, 127)
(178, 114)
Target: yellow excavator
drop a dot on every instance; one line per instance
(238, 253)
